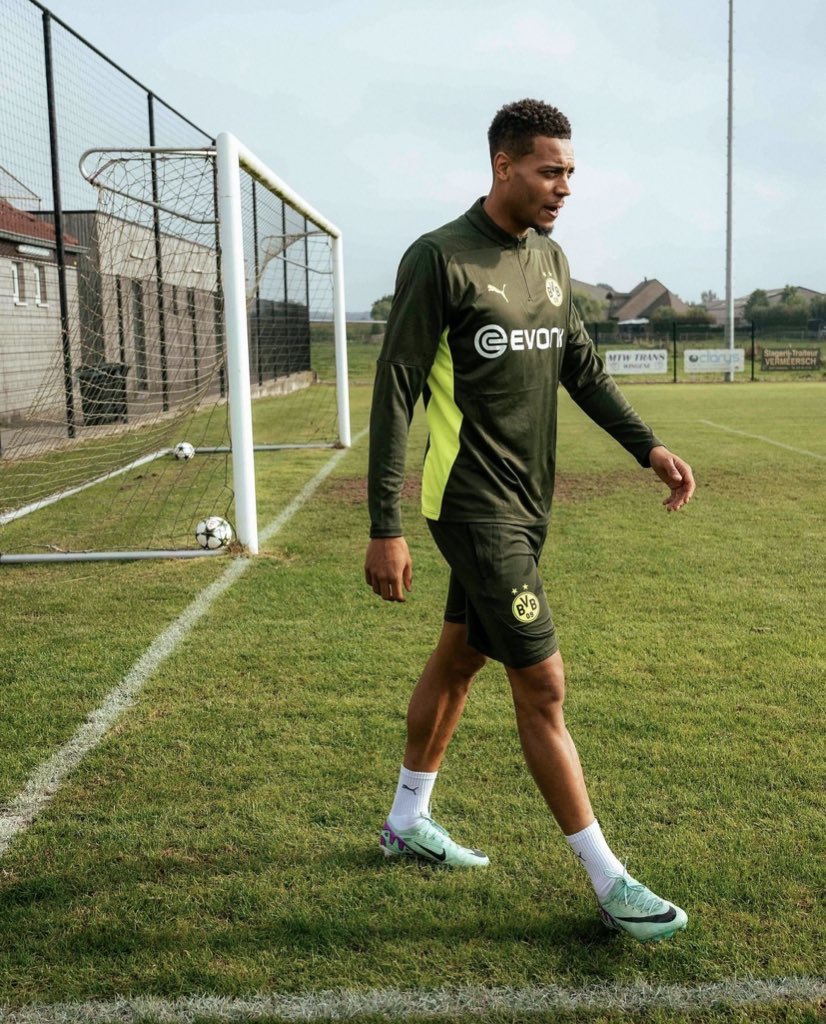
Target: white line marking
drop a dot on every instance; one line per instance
(19, 813)
(768, 440)
(399, 1004)
(35, 506)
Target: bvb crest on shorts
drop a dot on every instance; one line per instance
(525, 606)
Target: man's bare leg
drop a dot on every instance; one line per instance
(538, 695)
(439, 697)
(625, 904)
(433, 714)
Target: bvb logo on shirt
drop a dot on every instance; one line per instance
(525, 606)
(553, 291)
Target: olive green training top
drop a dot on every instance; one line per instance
(482, 324)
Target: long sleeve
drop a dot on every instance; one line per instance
(584, 376)
(416, 321)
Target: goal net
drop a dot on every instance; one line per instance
(203, 319)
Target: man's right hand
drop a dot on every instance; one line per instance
(388, 568)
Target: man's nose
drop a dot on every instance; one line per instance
(563, 186)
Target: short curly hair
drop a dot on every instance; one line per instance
(516, 125)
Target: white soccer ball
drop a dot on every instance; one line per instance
(213, 532)
(183, 450)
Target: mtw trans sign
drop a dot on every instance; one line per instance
(653, 360)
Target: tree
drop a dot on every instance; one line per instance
(757, 305)
(663, 315)
(695, 314)
(706, 298)
(817, 307)
(792, 300)
(380, 309)
(591, 310)
(791, 310)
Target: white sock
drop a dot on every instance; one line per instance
(596, 857)
(412, 800)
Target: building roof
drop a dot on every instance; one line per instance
(600, 292)
(646, 297)
(20, 225)
(639, 303)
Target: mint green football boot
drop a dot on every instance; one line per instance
(632, 908)
(427, 841)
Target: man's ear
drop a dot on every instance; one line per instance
(501, 166)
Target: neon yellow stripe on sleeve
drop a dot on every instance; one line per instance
(444, 421)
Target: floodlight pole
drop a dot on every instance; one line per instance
(235, 320)
(729, 294)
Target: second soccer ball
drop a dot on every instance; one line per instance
(213, 532)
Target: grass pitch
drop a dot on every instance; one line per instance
(222, 840)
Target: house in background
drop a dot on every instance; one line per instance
(168, 335)
(120, 308)
(30, 326)
(636, 305)
(137, 346)
(717, 309)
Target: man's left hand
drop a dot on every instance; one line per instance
(677, 474)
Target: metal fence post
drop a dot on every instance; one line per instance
(60, 249)
(674, 347)
(156, 223)
(307, 267)
(752, 350)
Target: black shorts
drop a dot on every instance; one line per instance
(496, 591)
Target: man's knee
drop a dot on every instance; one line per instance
(461, 661)
(464, 662)
(468, 663)
(540, 686)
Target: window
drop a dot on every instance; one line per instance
(174, 300)
(40, 294)
(18, 283)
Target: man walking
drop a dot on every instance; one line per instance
(483, 325)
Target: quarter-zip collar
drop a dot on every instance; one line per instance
(482, 222)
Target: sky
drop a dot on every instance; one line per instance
(377, 113)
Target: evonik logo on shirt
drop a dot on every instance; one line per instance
(493, 341)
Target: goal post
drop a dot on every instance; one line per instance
(206, 296)
(235, 325)
(231, 156)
